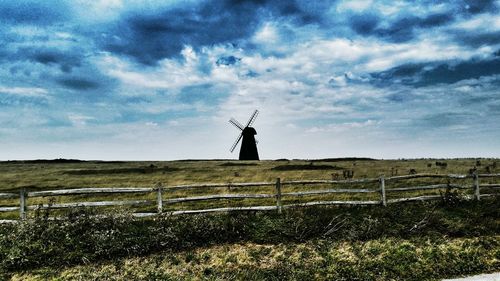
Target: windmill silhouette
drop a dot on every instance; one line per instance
(248, 150)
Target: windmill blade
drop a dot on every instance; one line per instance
(236, 143)
(236, 124)
(252, 118)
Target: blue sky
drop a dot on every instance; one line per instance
(158, 80)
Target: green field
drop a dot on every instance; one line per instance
(405, 241)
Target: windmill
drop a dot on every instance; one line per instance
(248, 150)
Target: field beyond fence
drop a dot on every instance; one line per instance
(257, 196)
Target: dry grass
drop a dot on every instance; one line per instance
(44, 176)
(380, 259)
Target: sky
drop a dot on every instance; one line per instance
(159, 80)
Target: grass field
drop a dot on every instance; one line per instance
(50, 175)
(413, 241)
(64, 174)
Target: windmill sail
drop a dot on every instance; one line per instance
(236, 142)
(236, 124)
(252, 118)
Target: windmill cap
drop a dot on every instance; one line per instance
(249, 131)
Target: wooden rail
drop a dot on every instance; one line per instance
(327, 191)
(275, 193)
(215, 185)
(222, 196)
(8, 195)
(91, 190)
(424, 187)
(91, 204)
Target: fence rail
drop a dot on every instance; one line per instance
(276, 194)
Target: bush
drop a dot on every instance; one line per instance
(85, 237)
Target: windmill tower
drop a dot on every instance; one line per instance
(248, 150)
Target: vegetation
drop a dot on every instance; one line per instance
(43, 174)
(412, 241)
(405, 242)
(61, 174)
(305, 167)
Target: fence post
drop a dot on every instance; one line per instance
(477, 195)
(159, 197)
(382, 191)
(278, 195)
(22, 203)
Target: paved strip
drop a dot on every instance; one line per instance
(482, 277)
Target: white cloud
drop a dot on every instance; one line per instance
(24, 91)
(481, 23)
(354, 5)
(79, 119)
(268, 34)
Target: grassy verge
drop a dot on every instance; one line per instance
(378, 259)
(402, 242)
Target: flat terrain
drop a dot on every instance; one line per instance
(65, 174)
(41, 175)
(405, 241)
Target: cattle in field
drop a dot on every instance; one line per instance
(348, 174)
(443, 165)
(394, 172)
(473, 170)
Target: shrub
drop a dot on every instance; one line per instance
(85, 237)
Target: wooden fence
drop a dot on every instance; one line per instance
(379, 187)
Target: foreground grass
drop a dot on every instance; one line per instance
(421, 241)
(378, 259)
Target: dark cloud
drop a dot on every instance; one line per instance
(129, 116)
(435, 20)
(152, 37)
(446, 119)
(478, 6)
(205, 94)
(469, 101)
(66, 60)
(33, 12)
(9, 100)
(399, 30)
(448, 74)
(461, 7)
(229, 60)
(81, 84)
(93, 85)
(138, 99)
(401, 96)
(251, 74)
(494, 109)
(427, 74)
(475, 39)
(364, 24)
(403, 74)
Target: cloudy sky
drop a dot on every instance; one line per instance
(158, 80)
